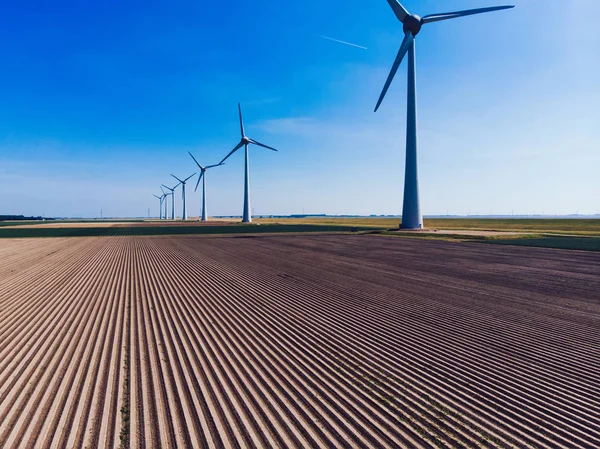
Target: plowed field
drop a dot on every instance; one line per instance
(296, 341)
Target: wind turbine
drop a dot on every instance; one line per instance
(202, 176)
(172, 201)
(182, 182)
(160, 198)
(165, 195)
(411, 209)
(246, 217)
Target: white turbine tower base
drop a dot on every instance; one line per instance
(412, 217)
(203, 177)
(245, 142)
(204, 211)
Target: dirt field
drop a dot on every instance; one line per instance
(297, 341)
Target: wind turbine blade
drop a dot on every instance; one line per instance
(176, 178)
(186, 179)
(156, 196)
(241, 120)
(406, 43)
(199, 178)
(398, 9)
(197, 163)
(468, 12)
(261, 145)
(161, 188)
(239, 145)
(213, 166)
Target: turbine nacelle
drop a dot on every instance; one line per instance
(202, 169)
(245, 141)
(412, 24)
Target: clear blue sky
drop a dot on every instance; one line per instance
(100, 102)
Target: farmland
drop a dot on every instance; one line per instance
(571, 226)
(296, 341)
(166, 228)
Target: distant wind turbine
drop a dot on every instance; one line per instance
(160, 198)
(182, 182)
(411, 209)
(203, 176)
(172, 200)
(246, 217)
(165, 196)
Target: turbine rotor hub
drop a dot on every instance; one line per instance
(245, 140)
(413, 24)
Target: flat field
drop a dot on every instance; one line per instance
(296, 341)
(165, 228)
(542, 225)
(563, 234)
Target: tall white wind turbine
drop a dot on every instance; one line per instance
(203, 177)
(244, 142)
(411, 209)
(182, 182)
(172, 200)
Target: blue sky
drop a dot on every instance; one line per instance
(100, 102)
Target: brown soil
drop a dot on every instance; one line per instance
(297, 341)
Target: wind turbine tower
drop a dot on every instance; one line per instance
(165, 197)
(182, 182)
(203, 177)
(412, 24)
(172, 200)
(160, 199)
(244, 142)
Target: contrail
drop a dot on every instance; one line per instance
(343, 42)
